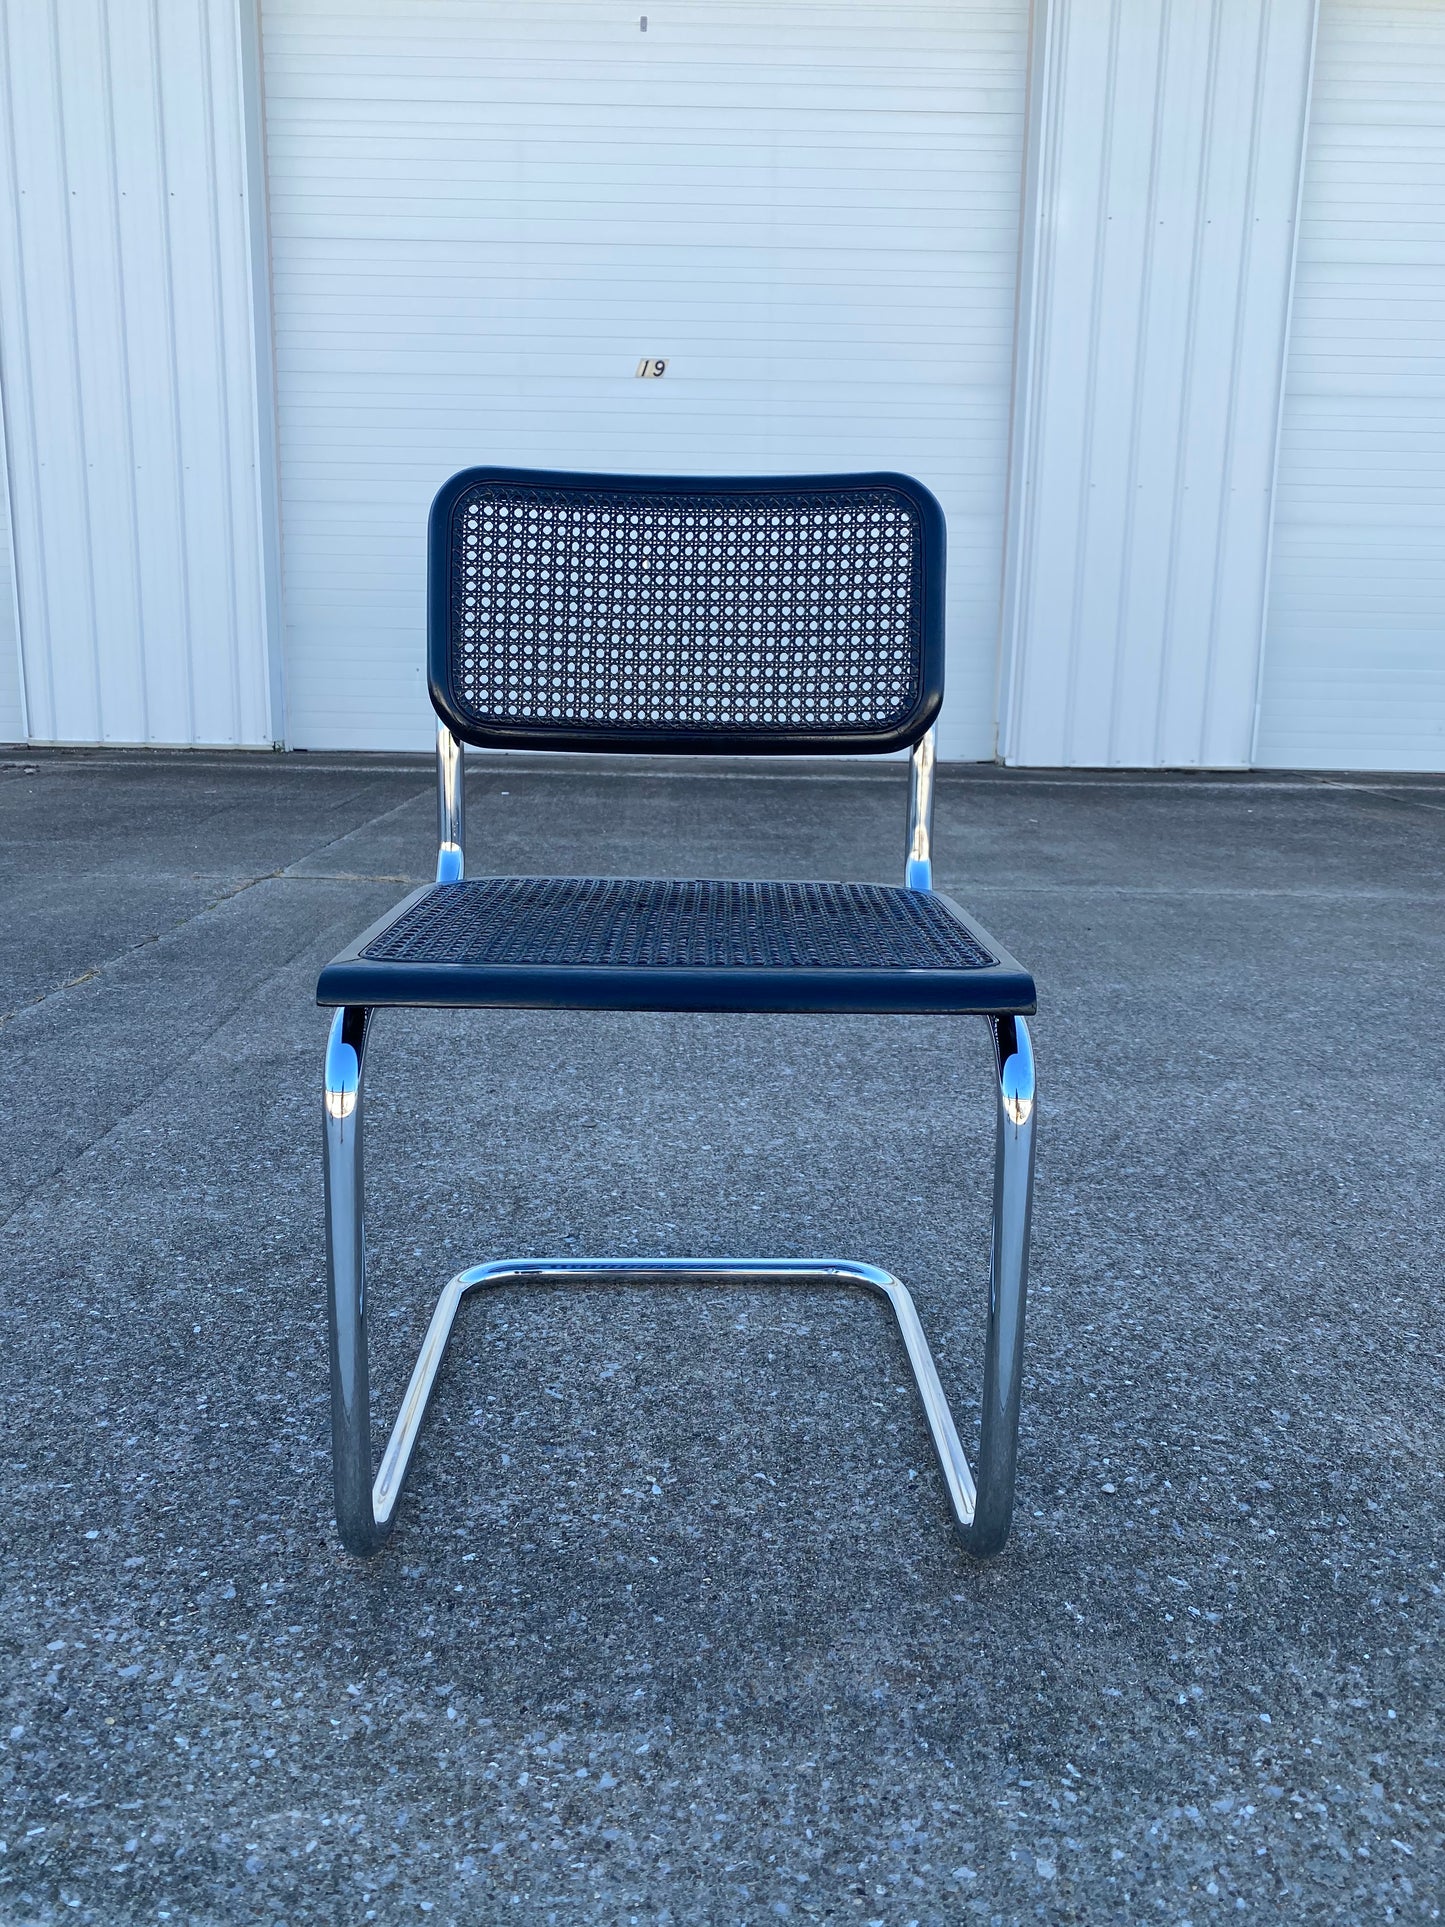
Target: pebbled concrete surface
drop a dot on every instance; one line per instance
(672, 1628)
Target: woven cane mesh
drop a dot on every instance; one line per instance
(627, 923)
(768, 611)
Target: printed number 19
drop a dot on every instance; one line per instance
(651, 366)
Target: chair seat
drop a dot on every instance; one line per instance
(608, 943)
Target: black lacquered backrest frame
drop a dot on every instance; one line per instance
(783, 615)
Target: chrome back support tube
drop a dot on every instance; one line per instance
(918, 857)
(451, 808)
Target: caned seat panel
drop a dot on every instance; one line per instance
(625, 943)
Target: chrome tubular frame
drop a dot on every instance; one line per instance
(918, 856)
(754, 1273)
(366, 1507)
(451, 808)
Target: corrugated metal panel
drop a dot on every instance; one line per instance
(12, 696)
(1354, 663)
(128, 376)
(484, 215)
(1166, 155)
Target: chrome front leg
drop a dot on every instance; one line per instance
(1013, 1187)
(346, 1282)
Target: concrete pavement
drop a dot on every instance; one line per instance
(672, 1627)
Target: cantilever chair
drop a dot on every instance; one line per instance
(781, 615)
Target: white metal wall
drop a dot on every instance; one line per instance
(1166, 138)
(12, 700)
(1354, 663)
(484, 214)
(126, 360)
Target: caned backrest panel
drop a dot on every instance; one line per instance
(784, 615)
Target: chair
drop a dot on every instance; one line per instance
(782, 615)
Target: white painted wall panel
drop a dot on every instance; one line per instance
(1354, 663)
(484, 214)
(12, 699)
(1165, 149)
(127, 367)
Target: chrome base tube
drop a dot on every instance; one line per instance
(365, 1509)
(747, 1272)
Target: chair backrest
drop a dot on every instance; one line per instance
(780, 615)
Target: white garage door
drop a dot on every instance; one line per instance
(1354, 660)
(485, 215)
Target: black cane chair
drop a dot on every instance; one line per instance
(770, 616)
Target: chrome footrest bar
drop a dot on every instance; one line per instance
(673, 1271)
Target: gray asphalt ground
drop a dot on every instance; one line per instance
(672, 1627)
